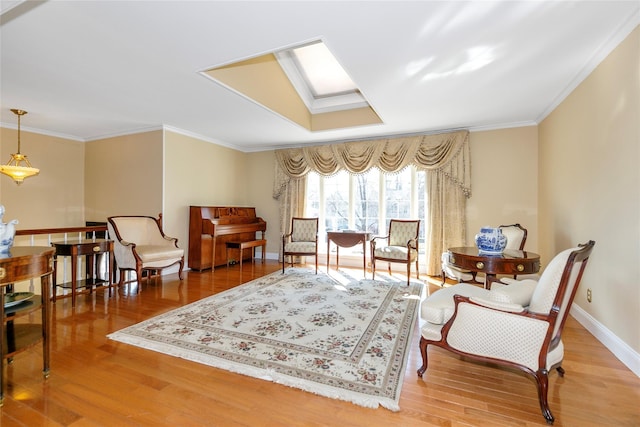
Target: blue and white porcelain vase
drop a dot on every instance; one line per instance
(491, 241)
(7, 233)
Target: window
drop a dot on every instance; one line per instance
(365, 202)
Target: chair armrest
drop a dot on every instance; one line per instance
(506, 280)
(495, 305)
(372, 241)
(518, 337)
(415, 244)
(173, 240)
(498, 307)
(124, 253)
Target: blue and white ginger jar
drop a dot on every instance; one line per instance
(7, 233)
(490, 240)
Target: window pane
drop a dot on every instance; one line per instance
(312, 202)
(398, 195)
(336, 194)
(366, 200)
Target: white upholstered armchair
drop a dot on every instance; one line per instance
(515, 326)
(140, 244)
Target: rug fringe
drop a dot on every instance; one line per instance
(267, 375)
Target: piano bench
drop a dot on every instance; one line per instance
(244, 245)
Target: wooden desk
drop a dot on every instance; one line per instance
(25, 263)
(347, 240)
(79, 247)
(510, 262)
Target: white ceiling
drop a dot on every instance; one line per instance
(91, 69)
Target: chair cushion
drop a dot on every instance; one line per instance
(394, 252)
(518, 292)
(439, 307)
(307, 247)
(151, 253)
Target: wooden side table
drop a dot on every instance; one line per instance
(511, 262)
(347, 240)
(83, 247)
(25, 263)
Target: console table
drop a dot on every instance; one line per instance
(511, 262)
(25, 263)
(83, 247)
(346, 240)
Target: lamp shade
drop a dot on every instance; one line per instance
(18, 168)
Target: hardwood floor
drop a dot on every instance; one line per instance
(98, 382)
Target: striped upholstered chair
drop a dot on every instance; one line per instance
(301, 241)
(515, 326)
(401, 246)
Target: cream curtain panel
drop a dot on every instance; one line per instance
(444, 157)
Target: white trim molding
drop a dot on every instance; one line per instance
(619, 348)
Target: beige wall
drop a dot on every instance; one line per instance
(590, 186)
(197, 173)
(260, 174)
(124, 176)
(504, 179)
(55, 197)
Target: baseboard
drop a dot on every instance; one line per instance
(619, 348)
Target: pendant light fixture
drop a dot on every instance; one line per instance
(14, 167)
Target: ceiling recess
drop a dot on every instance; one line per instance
(304, 84)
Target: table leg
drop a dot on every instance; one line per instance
(46, 325)
(110, 274)
(90, 273)
(364, 258)
(337, 257)
(74, 262)
(488, 280)
(213, 254)
(54, 280)
(328, 251)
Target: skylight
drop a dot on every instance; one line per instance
(319, 78)
(321, 71)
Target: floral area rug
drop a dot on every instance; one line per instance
(330, 335)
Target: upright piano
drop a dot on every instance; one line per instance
(210, 227)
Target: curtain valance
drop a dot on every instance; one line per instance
(447, 153)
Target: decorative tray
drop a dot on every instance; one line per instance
(16, 298)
